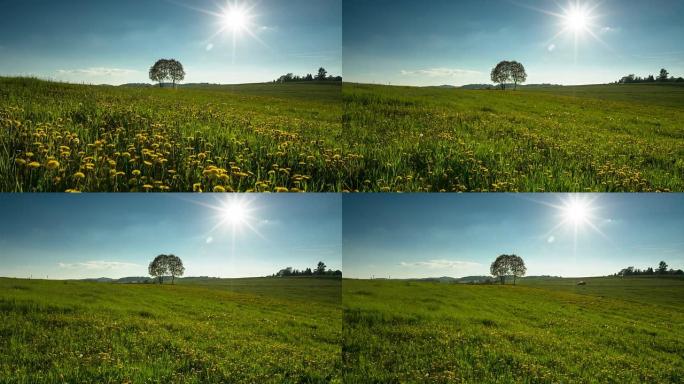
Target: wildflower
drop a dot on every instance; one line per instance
(79, 175)
(197, 187)
(52, 164)
(147, 187)
(136, 172)
(20, 161)
(33, 164)
(219, 188)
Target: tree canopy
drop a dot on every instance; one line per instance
(167, 69)
(320, 76)
(164, 265)
(319, 270)
(508, 71)
(508, 265)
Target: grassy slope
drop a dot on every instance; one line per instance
(97, 332)
(396, 331)
(247, 131)
(559, 139)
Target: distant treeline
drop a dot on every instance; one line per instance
(660, 270)
(322, 75)
(319, 270)
(664, 77)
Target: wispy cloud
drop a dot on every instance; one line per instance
(441, 263)
(439, 72)
(97, 71)
(97, 265)
(607, 29)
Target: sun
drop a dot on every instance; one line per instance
(234, 212)
(577, 19)
(576, 212)
(235, 18)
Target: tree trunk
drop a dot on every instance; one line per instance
(160, 84)
(173, 278)
(513, 279)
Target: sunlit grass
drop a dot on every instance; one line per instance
(601, 138)
(610, 330)
(61, 137)
(223, 331)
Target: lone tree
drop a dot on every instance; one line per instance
(518, 268)
(662, 268)
(501, 73)
(322, 74)
(663, 75)
(167, 69)
(509, 71)
(159, 267)
(500, 267)
(518, 74)
(505, 265)
(320, 268)
(176, 267)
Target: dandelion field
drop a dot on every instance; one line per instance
(239, 331)
(610, 331)
(263, 137)
(560, 139)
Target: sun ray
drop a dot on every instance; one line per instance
(235, 17)
(577, 18)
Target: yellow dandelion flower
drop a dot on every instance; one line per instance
(20, 161)
(219, 188)
(197, 187)
(136, 172)
(281, 189)
(79, 175)
(52, 164)
(33, 164)
(147, 187)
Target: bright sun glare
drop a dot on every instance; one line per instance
(234, 212)
(576, 212)
(235, 18)
(576, 19)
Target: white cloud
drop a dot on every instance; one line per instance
(551, 47)
(209, 47)
(551, 239)
(439, 72)
(441, 263)
(210, 240)
(609, 29)
(97, 71)
(97, 265)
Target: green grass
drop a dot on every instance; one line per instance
(253, 137)
(609, 331)
(588, 138)
(228, 331)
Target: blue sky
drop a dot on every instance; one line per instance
(112, 235)
(116, 42)
(431, 235)
(458, 42)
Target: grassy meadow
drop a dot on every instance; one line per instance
(252, 137)
(584, 138)
(612, 330)
(228, 331)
